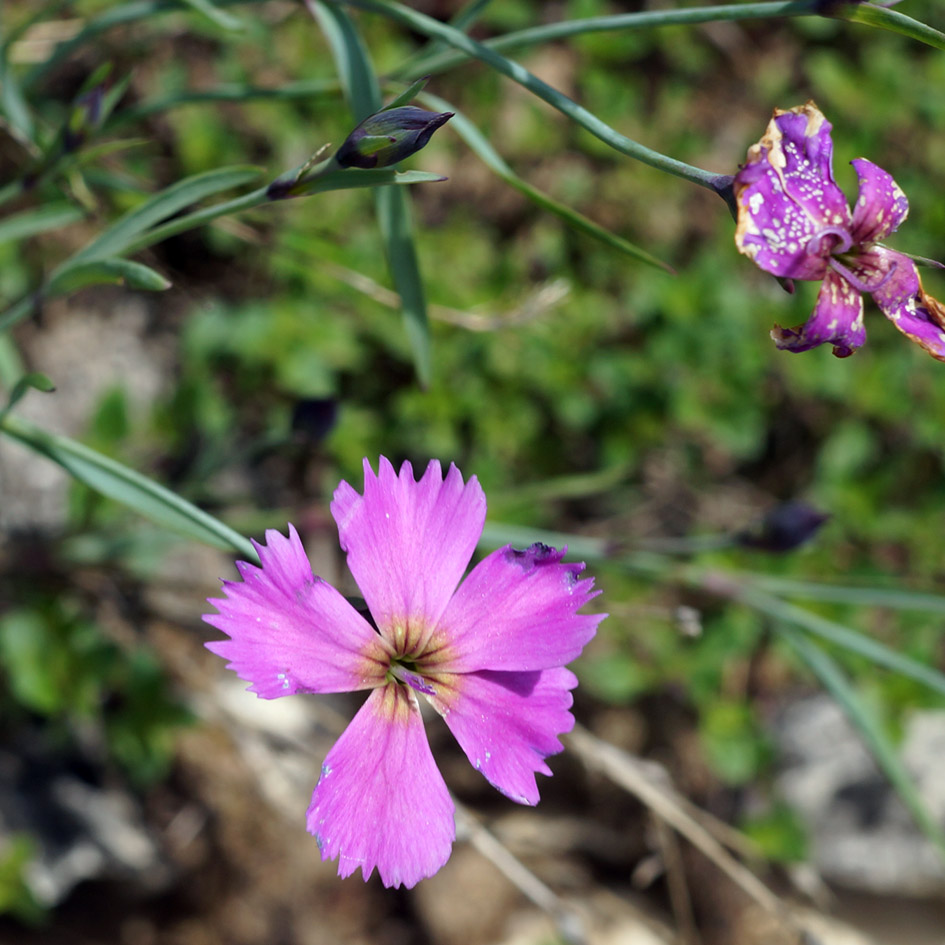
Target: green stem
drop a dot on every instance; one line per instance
(520, 39)
(517, 73)
(19, 310)
(248, 201)
(123, 484)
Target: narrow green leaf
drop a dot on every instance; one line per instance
(13, 103)
(433, 63)
(118, 237)
(29, 223)
(351, 59)
(391, 204)
(463, 20)
(215, 14)
(428, 26)
(19, 310)
(33, 381)
(888, 20)
(408, 94)
(393, 216)
(840, 635)
(115, 271)
(870, 729)
(354, 177)
(841, 594)
(482, 148)
(130, 488)
(198, 218)
(292, 91)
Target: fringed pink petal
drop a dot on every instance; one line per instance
(291, 631)
(380, 801)
(408, 544)
(508, 723)
(517, 610)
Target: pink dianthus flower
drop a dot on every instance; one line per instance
(488, 653)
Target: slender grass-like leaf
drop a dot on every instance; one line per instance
(22, 226)
(887, 19)
(117, 238)
(213, 13)
(463, 20)
(114, 271)
(871, 731)
(392, 206)
(482, 148)
(728, 585)
(13, 103)
(121, 15)
(840, 594)
(351, 59)
(408, 94)
(18, 311)
(393, 216)
(290, 92)
(33, 381)
(646, 19)
(839, 635)
(139, 493)
(352, 178)
(578, 114)
(434, 59)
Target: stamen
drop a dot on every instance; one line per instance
(815, 245)
(859, 284)
(414, 680)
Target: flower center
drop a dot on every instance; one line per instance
(404, 671)
(842, 265)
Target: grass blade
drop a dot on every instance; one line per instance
(213, 13)
(114, 271)
(120, 236)
(130, 488)
(392, 204)
(430, 27)
(840, 635)
(351, 59)
(29, 223)
(889, 20)
(842, 594)
(869, 728)
(482, 148)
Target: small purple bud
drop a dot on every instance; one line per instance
(389, 136)
(786, 527)
(86, 116)
(313, 418)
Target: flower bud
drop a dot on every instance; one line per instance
(786, 527)
(389, 136)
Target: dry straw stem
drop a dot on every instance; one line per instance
(635, 777)
(571, 926)
(538, 303)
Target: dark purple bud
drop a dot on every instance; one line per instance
(86, 116)
(389, 136)
(313, 418)
(786, 527)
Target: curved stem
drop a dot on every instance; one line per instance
(441, 61)
(517, 73)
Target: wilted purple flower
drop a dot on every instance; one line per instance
(488, 654)
(794, 222)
